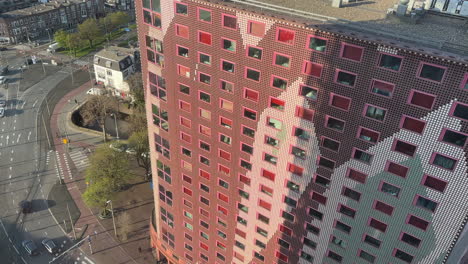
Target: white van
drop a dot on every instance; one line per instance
(53, 47)
(96, 91)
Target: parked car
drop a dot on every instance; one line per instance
(50, 246)
(2, 112)
(96, 91)
(2, 103)
(3, 79)
(30, 247)
(4, 69)
(26, 207)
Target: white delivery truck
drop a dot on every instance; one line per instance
(53, 47)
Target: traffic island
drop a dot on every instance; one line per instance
(65, 209)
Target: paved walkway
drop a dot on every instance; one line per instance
(106, 249)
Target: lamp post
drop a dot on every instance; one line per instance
(113, 219)
(115, 122)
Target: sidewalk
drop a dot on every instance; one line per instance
(105, 247)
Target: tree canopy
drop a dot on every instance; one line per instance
(97, 109)
(89, 30)
(140, 143)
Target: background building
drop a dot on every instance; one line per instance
(8, 5)
(284, 136)
(112, 66)
(44, 19)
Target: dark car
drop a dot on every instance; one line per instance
(4, 69)
(30, 247)
(26, 207)
(2, 48)
(50, 246)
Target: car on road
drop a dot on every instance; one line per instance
(30, 247)
(2, 103)
(3, 79)
(2, 112)
(50, 246)
(118, 146)
(26, 207)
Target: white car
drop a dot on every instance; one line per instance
(3, 79)
(2, 112)
(95, 91)
(50, 246)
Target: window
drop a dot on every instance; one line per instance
(246, 131)
(204, 37)
(256, 28)
(322, 181)
(431, 72)
(287, 216)
(425, 203)
(223, 184)
(377, 224)
(434, 183)
(289, 201)
(260, 244)
(204, 97)
(304, 113)
(285, 36)
(186, 152)
(460, 110)
(185, 106)
(334, 123)
(204, 200)
(277, 103)
(356, 175)
(383, 207)
(226, 105)
(294, 187)
(374, 112)
(204, 78)
(266, 190)
(283, 243)
(351, 52)
(182, 31)
(157, 20)
(312, 69)
(183, 71)
(299, 153)
(226, 86)
(326, 163)
(254, 52)
(252, 74)
(396, 169)
(182, 51)
(317, 43)
(225, 122)
(225, 139)
(229, 21)
(204, 160)
(160, 118)
(382, 88)
(241, 220)
(309, 92)
(165, 195)
(162, 146)
(330, 144)
(390, 62)
(185, 122)
(224, 155)
(346, 211)
(184, 89)
(443, 161)
(340, 102)
(412, 124)
(402, 256)
(167, 217)
(239, 245)
(204, 15)
(281, 60)
(229, 45)
(306, 257)
(246, 165)
(411, 240)
(362, 155)
(263, 219)
(268, 174)
(164, 171)
(417, 222)
(285, 230)
(204, 58)
(334, 256)
(421, 99)
(315, 214)
(204, 146)
(342, 227)
(168, 237)
(404, 148)
(368, 135)
(339, 242)
(351, 194)
(389, 189)
(301, 133)
(243, 208)
(366, 256)
(246, 148)
(453, 137)
(158, 86)
(223, 197)
(274, 123)
(250, 114)
(205, 130)
(258, 256)
(244, 194)
(345, 78)
(181, 9)
(372, 241)
(296, 170)
(312, 229)
(227, 66)
(278, 82)
(251, 94)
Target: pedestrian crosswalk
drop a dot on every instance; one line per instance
(80, 159)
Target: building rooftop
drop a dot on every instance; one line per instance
(439, 33)
(113, 57)
(39, 8)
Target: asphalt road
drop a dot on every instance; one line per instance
(27, 168)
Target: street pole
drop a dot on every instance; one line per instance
(113, 218)
(71, 221)
(47, 132)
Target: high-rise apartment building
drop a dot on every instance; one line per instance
(301, 132)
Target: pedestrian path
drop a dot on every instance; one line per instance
(80, 159)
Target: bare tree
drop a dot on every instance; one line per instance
(97, 109)
(135, 83)
(140, 143)
(123, 221)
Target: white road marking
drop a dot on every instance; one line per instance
(35, 102)
(17, 140)
(11, 168)
(14, 121)
(11, 159)
(9, 176)
(7, 138)
(29, 135)
(22, 106)
(16, 249)
(12, 151)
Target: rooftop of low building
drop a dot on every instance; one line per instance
(40, 8)
(441, 33)
(113, 57)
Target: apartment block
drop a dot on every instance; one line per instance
(305, 131)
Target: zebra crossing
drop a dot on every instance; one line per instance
(80, 159)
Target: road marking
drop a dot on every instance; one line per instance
(12, 151)
(16, 249)
(17, 140)
(14, 121)
(22, 106)
(11, 159)
(7, 137)
(9, 176)
(11, 168)
(35, 102)
(29, 135)
(45, 233)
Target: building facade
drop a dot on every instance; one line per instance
(9, 5)
(42, 20)
(291, 138)
(112, 66)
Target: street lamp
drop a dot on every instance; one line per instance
(113, 219)
(115, 122)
